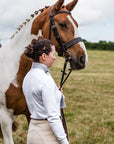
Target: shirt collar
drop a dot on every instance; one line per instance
(40, 66)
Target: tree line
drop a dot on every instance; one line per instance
(101, 45)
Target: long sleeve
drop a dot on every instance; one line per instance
(49, 101)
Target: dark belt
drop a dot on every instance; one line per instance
(39, 119)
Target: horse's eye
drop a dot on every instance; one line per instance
(63, 25)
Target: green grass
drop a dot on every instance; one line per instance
(90, 101)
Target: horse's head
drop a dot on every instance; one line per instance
(58, 25)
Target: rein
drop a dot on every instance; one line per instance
(64, 73)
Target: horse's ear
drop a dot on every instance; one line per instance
(57, 5)
(71, 5)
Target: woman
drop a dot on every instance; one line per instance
(43, 98)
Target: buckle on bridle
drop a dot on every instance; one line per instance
(69, 55)
(53, 27)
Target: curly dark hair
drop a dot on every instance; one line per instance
(37, 48)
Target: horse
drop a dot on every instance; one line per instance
(55, 23)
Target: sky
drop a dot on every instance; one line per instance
(95, 17)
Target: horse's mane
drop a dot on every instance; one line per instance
(43, 9)
(28, 20)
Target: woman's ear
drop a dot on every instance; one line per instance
(44, 56)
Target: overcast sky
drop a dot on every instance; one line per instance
(95, 17)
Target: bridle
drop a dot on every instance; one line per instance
(69, 44)
(63, 47)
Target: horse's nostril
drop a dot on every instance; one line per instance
(82, 59)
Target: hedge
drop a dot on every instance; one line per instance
(99, 46)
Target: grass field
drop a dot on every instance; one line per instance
(90, 101)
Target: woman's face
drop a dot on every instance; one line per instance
(51, 57)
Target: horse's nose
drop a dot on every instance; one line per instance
(82, 61)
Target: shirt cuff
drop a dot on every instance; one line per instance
(62, 104)
(65, 141)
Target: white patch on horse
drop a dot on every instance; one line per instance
(40, 33)
(6, 120)
(15, 83)
(84, 48)
(76, 35)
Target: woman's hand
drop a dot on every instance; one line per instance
(60, 89)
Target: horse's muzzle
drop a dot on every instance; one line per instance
(77, 64)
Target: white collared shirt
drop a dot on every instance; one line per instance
(44, 99)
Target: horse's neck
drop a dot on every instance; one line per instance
(11, 52)
(23, 37)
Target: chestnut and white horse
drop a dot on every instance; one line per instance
(14, 65)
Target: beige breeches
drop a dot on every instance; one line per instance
(40, 133)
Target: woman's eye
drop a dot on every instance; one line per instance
(63, 25)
